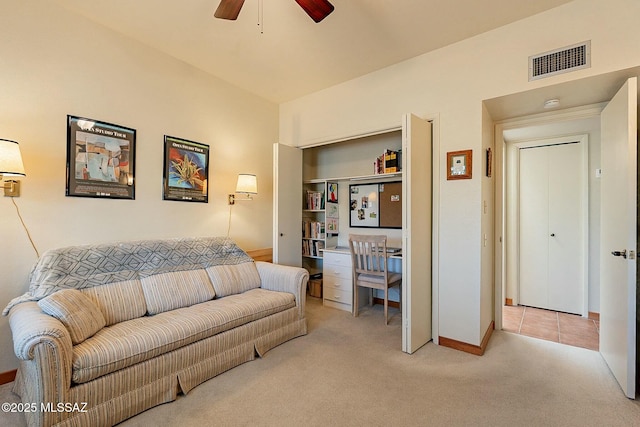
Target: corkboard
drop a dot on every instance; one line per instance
(390, 197)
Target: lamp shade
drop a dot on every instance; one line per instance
(247, 183)
(10, 159)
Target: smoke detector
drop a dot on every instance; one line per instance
(551, 103)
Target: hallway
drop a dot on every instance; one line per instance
(569, 329)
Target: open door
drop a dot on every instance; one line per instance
(618, 236)
(287, 205)
(416, 232)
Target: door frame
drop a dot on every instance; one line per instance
(589, 111)
(513, 218)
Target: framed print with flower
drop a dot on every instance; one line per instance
(186, 170)
(100, 159)
(459, 164)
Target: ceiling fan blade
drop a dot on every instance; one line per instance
(316, 9)
(229, 9)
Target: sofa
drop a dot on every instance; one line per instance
(107, 331)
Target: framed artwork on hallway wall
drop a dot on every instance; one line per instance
(459, 164)
(100, 159)
(186, 170)
(489, 165)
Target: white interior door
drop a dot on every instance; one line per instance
(416, 230)
(287, 205)
(618, 234)
(552, 227)
(534, 227)
(567, 228)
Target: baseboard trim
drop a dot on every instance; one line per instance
(477, 350)
(7, 377)
(394, 304)
(508, 301)
(594, 316)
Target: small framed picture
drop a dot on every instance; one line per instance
(459, 164)
(333, 192)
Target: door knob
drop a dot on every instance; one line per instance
(622, 253)
(553, 234)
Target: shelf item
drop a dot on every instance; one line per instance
(313, 230)
(312, 247)
(314, 200)
(389, 162)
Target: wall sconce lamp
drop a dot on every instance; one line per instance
(247, 184)
(10, 166)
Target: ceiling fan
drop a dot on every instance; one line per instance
(316, 9)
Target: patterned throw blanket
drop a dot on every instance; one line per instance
(94, 265)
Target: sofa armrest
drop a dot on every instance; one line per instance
(44, 348)
(283, 278)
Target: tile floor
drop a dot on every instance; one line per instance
(549, 325)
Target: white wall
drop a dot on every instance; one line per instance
(453, 82)
(54, 63)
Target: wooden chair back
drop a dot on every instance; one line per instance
(369, 256)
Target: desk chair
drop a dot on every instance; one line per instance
(369, 265)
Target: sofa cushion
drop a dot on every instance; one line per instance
(76, 311)
(118, 301)
(234, 279)
(168, 291)
(127, 343)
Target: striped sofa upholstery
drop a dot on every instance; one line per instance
(142, 336)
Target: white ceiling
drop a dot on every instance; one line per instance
(294, 56)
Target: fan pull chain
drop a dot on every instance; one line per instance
(260, 24)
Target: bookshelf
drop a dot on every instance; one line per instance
(320, 221)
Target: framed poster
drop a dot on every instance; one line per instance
(186, 170)
(100, 159)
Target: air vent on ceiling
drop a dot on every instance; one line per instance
(559, 61)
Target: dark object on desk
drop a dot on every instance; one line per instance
(393, 250)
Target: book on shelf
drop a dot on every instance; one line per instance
(312, 248)
(313, 230)
(315, 200)
(389, 162)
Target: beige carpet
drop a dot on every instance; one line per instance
(351, 372)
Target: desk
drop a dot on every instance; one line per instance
(337, 278)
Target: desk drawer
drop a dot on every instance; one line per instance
(340, 296)
(337, 259)
(336, 272)
(338, 283)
